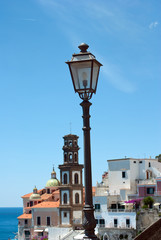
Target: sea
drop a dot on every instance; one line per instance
(9, 222)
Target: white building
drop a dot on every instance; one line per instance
(114, 218)
(125, 174)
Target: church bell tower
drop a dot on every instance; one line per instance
(71, 187)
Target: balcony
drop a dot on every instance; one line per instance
(146, 181)
(120, 210)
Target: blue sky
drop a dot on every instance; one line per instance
(37, 100)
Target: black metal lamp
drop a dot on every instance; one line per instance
(84, 69)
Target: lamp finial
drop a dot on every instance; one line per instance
(83, 47)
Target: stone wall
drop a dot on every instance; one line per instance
(145, 218)
(116, 233)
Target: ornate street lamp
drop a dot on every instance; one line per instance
(84, 70)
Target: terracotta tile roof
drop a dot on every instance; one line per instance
(46, 196)
(47, 205)
(56, 192)
(25, 216)
(29, 194)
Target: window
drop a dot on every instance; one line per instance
(65, 214)
(48, 221)
(96, 221)
(149, 164)
(26, 221)
(48, 190)
(38, 221)
(76, 178)
(134, 161)
(113, 206)
(115, 222)
(140, 162)
(65, 198)
(123, 174)
(65, 178)
(65, 142)
(31, 203)
(102, 222)
(127, 223)
(75, 143)
(97, 207)
(28, 204)
(77, 198)
(27, 233)
(150, 190)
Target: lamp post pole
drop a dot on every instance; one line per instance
(89, 222)
(84, 69)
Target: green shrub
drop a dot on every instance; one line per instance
(148, 201)
(145, 206)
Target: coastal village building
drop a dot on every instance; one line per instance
(56, 210)
(134, 178)
(59, 205)
(126, 183)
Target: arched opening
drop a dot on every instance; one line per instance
(76, 178)
(65, 198)
(65, 178)
(70, 157)
(75, 157)
(105, 237)
(65, 157)
(77, 198)
(70, 143)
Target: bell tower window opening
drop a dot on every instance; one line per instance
(65, 157)
(65, 178)
(65, 198)
(70, 143)
(77, 198)
(75, 157)
(70, 157)
(76, 178)
(75, 143)
(65, 142)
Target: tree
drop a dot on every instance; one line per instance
(159, 157)
(148, 201)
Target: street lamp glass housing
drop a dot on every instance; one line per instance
(84, 69)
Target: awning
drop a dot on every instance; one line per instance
(46, 230)
(38, 230)
(156, 204)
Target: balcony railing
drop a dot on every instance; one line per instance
(101, 225)
(121, 210)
